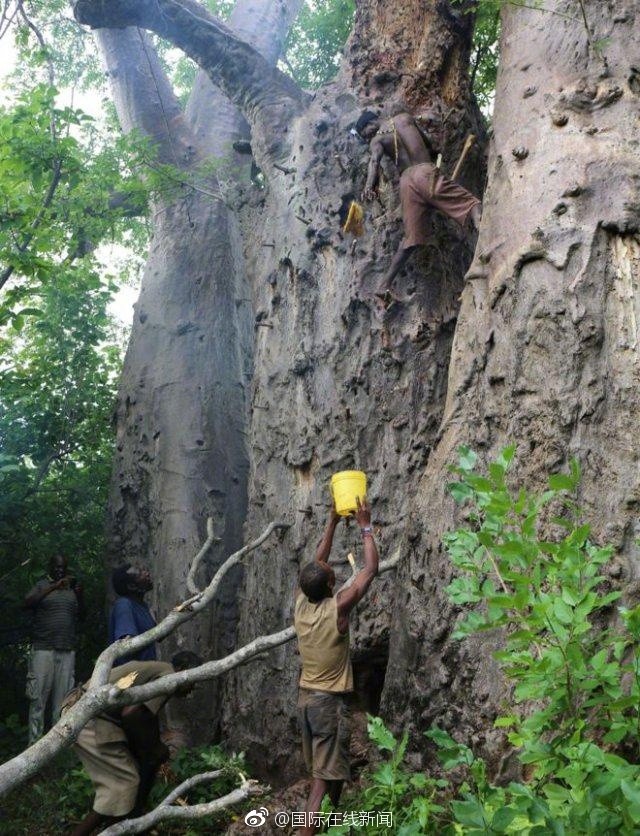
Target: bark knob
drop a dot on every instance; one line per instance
(559, 118)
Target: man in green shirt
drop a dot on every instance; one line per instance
(57, 605)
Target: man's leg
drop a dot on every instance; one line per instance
(63, 679)
(148, 772)
(114, 775)
(397, 263)
(318, 790)
(335, 790)
(39, 682)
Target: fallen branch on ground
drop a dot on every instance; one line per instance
(102, 695)
(185, 812)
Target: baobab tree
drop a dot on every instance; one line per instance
(542, 351)
(258, 363)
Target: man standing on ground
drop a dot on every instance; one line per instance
(130, 616)
(57, 604)
(421, 185)
(322, 623)
(122, 750)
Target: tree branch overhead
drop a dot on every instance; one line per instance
(268, 98)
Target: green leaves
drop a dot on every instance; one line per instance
(380, 734)
(549, 595)
(314, 45)
(57, 184)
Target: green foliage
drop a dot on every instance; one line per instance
(314, 46)
(60, 354)
(574, 716)
(57, 183)
(554, 605)
(190, 762)
(13, 737)
(55, 49)
(63, 794)
(57, 391)
(484, 58)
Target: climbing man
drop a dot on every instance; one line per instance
(130, 615)
(121, 749)
(321, 621)
(421, 184)
(57, 604)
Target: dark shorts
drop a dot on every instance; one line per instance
(423, 188)
(325, 721)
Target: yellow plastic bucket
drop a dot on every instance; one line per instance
(345, 486)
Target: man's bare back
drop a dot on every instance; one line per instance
(401, 136)
(422, 188)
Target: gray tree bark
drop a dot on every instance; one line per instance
(182, 408)
(335, 384)
(545, 352)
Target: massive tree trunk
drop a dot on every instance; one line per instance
(546, 346)
(182, 407)
(335, 384)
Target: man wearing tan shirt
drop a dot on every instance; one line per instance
(322, 624)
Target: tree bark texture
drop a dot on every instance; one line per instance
(181, 416)
(545, 352)
(336, 383)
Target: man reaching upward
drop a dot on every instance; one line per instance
(421, 184)
(322, 623)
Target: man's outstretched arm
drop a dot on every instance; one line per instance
(348, 598)
(324, 546)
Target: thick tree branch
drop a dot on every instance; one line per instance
(215, 120)
(268, 99)
(143, 95)
(165, 812)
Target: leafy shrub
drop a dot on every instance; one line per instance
(190, 762)
(574, 721)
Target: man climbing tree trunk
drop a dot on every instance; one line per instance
(545, 353)
(334, 384)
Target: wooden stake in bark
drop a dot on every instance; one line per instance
(468, 144)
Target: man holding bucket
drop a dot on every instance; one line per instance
(322, 623)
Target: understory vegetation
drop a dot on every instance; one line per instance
(571, 665)
(571, 707)
(525, 568)
(63, 794)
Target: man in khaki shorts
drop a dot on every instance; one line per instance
(122, 750)
(321, 621)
